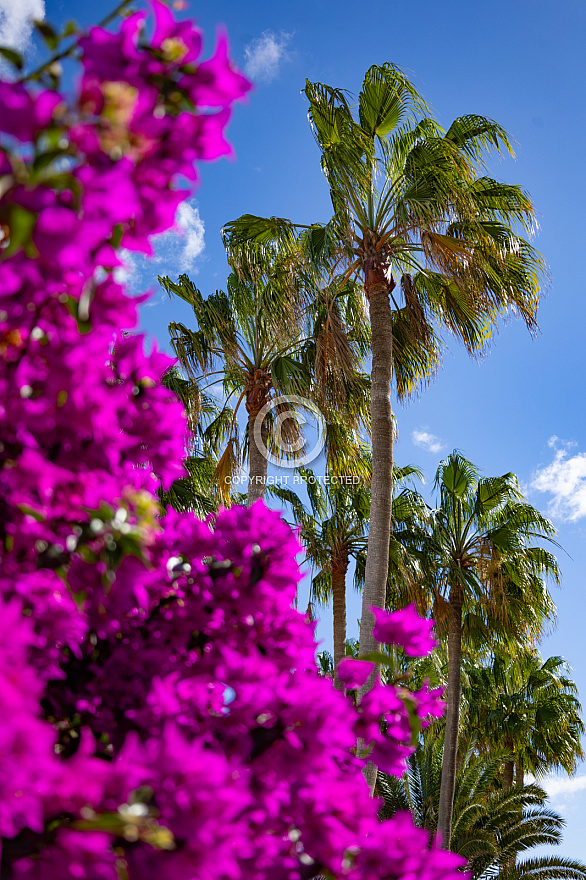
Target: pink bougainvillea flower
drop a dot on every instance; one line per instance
(354, 673)
(216, 81)
(24, 114)
(405, 628)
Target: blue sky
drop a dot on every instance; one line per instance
(521, 408)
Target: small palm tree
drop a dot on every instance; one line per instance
(481, 545)
(208, 425)
(530, 707)
(334, 529)
(491, 826)
(242, 344)
(260, 341)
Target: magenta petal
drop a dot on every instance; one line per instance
(406, 629)
(354, 673)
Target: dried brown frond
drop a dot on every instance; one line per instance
(416, 348)
(446, 254)
(288, 426)
(226, 469)
(335, 361)
(441, 614)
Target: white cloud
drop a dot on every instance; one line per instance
(123, 274)
(562, 785)
(194, 230)
(176, 251)
(179, 249)
(16, 21)
(427, 441)
(155, 301)
(264, 55)
(565, 792)
(565, 479)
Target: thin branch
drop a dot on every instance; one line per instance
(105, 21)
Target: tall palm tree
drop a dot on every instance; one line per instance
(491, 826)
(436, 242)
(481, 544)
(530, 707)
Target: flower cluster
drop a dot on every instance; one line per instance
(404, 628)
(395, 706)
(161, 713)
(77, 422)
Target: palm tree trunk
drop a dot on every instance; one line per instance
(378, 291)
(519, 773)
(339, 569)
(257, 477)
(508, 774)
(448, 781)
(508, 780)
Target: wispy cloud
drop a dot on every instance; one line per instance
(123, 274)
(16, 21)
(566, 793)
(180, 248)
(176, 251)
(190, 222)
(427, 441)
(155, 301)
(565, 480)
(562, 785)
(265, 54)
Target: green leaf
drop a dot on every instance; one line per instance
(386, 98)
(15, 58)
(258, 230)
(83, 324)
(379, 109)
(47, 33)
(22, 223)
(38, 515)
(117, 235)
(455, 478)
(45, 159)
(410, 703)
(70, 29)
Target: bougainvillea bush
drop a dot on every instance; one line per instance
(161, 715)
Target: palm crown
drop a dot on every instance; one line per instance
(530, 707)
(412, 199)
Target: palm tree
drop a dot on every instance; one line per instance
(435, 241)
(333, 531)
(529, 706)
(335, 528)
(265, 346)
(491, 826)
(477, 548)
(246, 338)
(208, 425)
